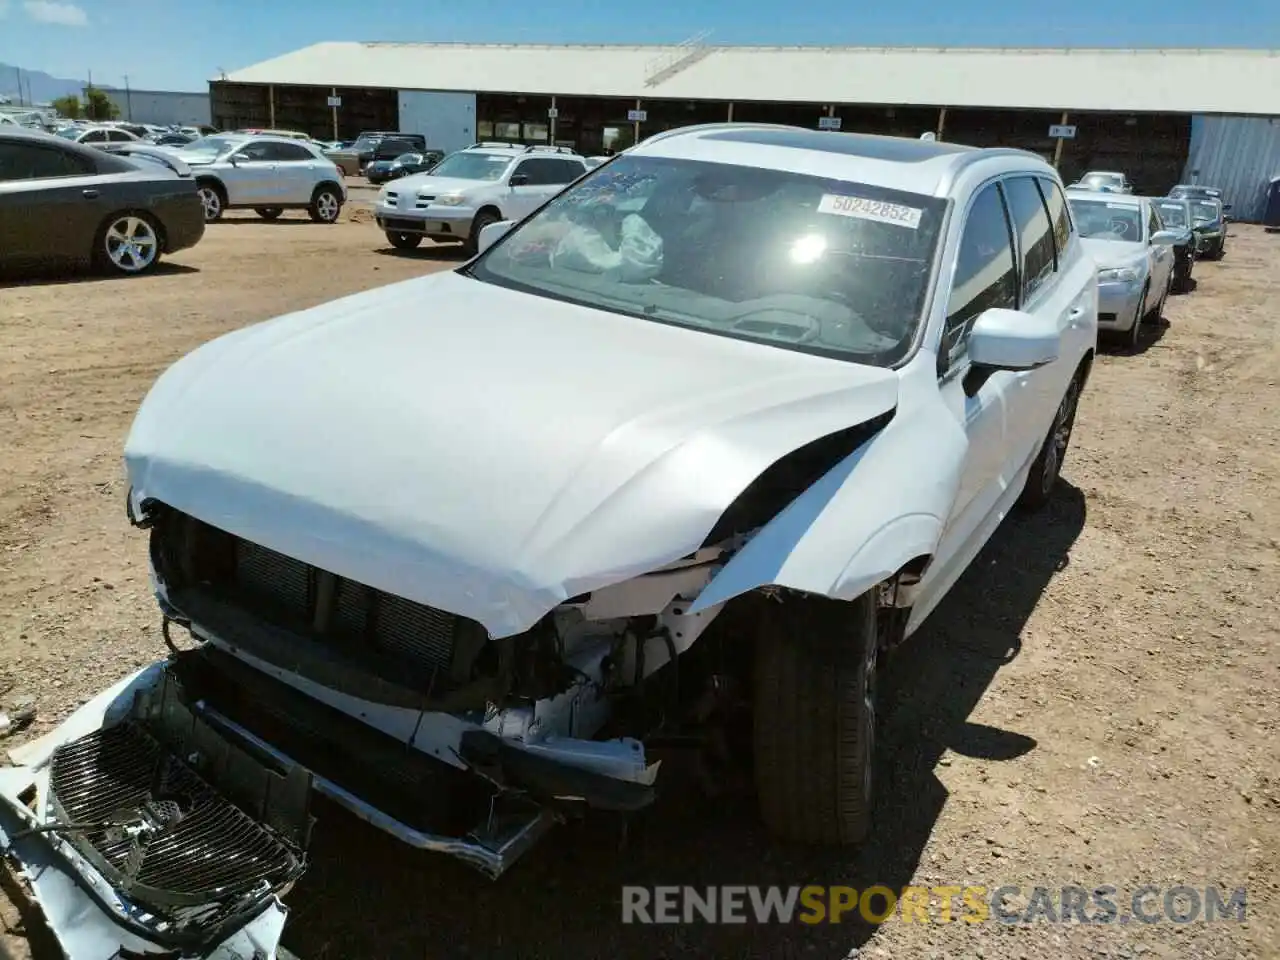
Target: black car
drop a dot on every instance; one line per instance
(382, 171)
(1209, 221)
(1194, 191)
(61, 201)
(1175, 215)
(369, 145)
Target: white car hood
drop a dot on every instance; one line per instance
(1115, 253)
(437, 185)
(476, 449)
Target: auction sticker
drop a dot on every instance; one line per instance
(864, 209)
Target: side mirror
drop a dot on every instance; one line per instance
(518, 179)
(235, 159)
(491, 234)
(1165, 238)
(1012, 340)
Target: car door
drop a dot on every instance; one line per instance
(49, 202)
(248, 175)
(296, 172)
(1161, 258)
(527, 187)
(1032, 396)
(985, 276)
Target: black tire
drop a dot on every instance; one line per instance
(482, 220)
(1156, 312)
(815, 718)
(326, 205)
(213, 199)
(269, 213)
(1133, 335)
(1221, 251)
(1044, 473)
(404, 241)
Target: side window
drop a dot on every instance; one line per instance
(289, 152)
(118, 136)
(566, 171)
(1154, 224)
(258, 150)
(1059, 214)
(94, 136)
(1031, 221)
(24, 161)
(985, 274)
(533, 170)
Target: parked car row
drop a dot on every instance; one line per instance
(1146, 247)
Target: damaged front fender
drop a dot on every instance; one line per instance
(884, 505)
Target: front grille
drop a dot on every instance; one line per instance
(1107, 317)
(399, 223)
(173, 841)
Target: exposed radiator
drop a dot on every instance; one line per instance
(281, 588)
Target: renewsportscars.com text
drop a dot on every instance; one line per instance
(972, 904)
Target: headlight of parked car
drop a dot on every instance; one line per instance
(1118, 275)
(449, 199)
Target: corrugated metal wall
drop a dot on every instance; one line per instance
(1238, 154)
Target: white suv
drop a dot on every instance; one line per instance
(742, 391)
(266, 173)
(471, 189)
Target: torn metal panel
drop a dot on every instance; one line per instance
(885, 504)
(504, 513)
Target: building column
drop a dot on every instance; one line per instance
(552, 115)
(730, 111)
(271, 106)
(635, 133)
(333, 92)
(942, 122)
(1057, 150)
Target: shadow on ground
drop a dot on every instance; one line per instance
(367, 895)
(45, 277)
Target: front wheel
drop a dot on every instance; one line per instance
(325, 205)
(815, 718)
(482, 220)
(404, 241)
(269, 213)
(212, 200)
(1048, 464)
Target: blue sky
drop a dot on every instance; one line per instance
(179, 44)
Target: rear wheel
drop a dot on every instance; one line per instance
(404, 241)
(815, 718)
(1048, 464)
(269, 213)
(326, 204)
(128, 243)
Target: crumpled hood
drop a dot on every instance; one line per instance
(1115, 253)
(476, 449)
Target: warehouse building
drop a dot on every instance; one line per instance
(1145, 112)
(161, 107)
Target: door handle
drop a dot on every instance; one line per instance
(89, 194)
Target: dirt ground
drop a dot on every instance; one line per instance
(1096, 703)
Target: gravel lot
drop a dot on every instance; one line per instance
(1095, 703)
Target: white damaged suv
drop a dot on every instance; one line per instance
(455, 552)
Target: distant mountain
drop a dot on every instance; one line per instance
(42, 86)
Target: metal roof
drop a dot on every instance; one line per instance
(1154, 80)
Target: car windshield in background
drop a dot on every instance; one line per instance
(472, 166)
(1204, 211)
(1107, 221)
(1096, 180)
(822, 266)
(1173, 214)
(216, 146)
(70, 133)
(407, 158)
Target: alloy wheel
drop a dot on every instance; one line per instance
(131, 244)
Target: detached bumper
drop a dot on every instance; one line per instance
(1118, 304)
(88, 917)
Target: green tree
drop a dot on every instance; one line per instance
(98, 106)
(68, 106)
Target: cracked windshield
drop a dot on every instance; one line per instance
(822, 266)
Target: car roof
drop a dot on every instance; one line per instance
(901, 163)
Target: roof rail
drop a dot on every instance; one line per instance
(550, 148)
(490, 143)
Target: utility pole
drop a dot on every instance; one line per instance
(128, 100)
(18, 71)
